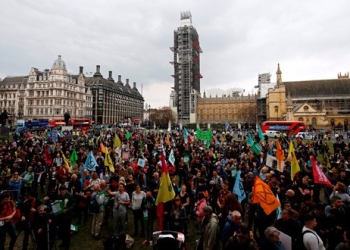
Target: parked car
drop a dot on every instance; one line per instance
(305, 135)
(273, 134)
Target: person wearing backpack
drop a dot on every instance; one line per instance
(311, 239)
(244, 240)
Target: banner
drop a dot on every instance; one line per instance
(262, 194)
(319, 176)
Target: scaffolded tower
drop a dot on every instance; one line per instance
(186, 69)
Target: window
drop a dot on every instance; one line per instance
(37, 111)
(306, 108)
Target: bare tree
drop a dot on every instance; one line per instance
(162, 116)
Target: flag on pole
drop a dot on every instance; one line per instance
(279, 156)
(116, 141)
(166, 191)
(90, 162)
(185, 135)
(172, 158)
(167, 140)
(262, 194)
(73, 157)
(294, 166)
(128, 135)
(103, 149)
(261, 136)
(254, 145)
(319, 176)
(66, 162)
(279, 209)
(108, 161)
(250, 141)
(238, 189)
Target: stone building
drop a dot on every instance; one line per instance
(114, 101)
(52, 92)
(227, 109)
(320, 104)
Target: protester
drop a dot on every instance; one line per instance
(7, 211)
(210, 230)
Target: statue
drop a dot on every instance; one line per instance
(3, 118)
(66, 118)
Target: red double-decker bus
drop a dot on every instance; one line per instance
(291, 127)
(81, 123)
(57, 122)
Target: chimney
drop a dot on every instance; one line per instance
(97, 73)
(81, 69)
(110, 78)
(134, 85)
(119, 78)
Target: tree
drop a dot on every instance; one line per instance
(162, 116)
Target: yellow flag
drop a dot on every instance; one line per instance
(295, 168)
(66, 162)
(167, 140)
(166, 190)
(116, 142)
(108, 161)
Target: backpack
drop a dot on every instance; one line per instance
(94, 206)
(300, 240)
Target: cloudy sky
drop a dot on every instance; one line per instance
(240, 39)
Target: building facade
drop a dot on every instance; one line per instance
(227, 109)
(186, 61)
(113, 102)
(320, 104)
(52, 92)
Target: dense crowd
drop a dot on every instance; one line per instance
(37, 173)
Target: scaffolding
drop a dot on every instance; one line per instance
(186, 63)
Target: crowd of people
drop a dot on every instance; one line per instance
(38, 173)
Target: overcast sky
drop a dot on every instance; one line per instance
(240, 39)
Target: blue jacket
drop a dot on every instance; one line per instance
(229, 229)
(15, 185)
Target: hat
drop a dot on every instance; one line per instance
(62, 187)
(208, 209)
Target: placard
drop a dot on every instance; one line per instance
(57, 207)
(141, 162)
(286, 241)
(269, 160)
(125, 155)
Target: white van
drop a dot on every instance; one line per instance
(273, 134)
(304, 135)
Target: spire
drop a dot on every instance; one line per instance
(278, 69)
(279, 75)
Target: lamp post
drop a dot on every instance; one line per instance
(149, 116)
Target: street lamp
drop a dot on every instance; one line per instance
(149, 116)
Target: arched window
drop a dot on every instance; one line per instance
(300, 119)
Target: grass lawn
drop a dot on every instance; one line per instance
(83, 239)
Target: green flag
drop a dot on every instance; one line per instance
(261, 136)
(128, 135)
(74, 157)
(250, 141)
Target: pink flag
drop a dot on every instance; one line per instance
(319, 176)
